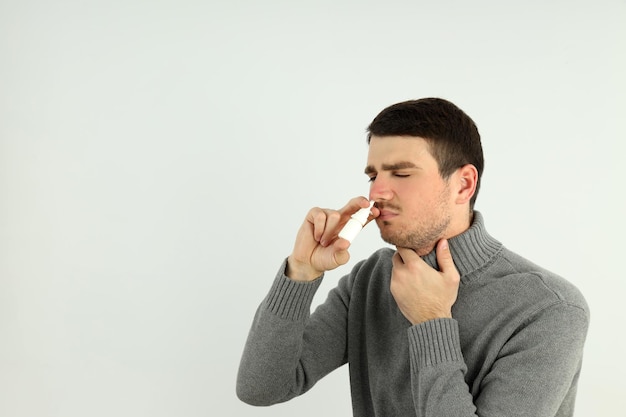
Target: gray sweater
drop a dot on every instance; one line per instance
(513, 347)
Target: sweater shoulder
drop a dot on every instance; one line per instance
(551, 286)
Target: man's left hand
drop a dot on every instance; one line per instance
(421, 292)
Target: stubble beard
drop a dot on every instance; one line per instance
(421, 234)
(421, 238)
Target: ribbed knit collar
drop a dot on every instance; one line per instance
(471, 250)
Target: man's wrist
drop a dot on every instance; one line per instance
(301, 272)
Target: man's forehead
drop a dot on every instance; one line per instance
(397, 149)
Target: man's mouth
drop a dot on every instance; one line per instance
(386, 214)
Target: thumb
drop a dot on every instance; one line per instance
(341, 254)
(444, 257)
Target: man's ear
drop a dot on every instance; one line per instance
(466, 181)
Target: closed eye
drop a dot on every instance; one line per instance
(395, 174)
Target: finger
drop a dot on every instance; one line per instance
(375, 212)
(354, 205)
(351, 208)
(396, 260)
(330, 232)
(319, 223)
(408, 255)
(336, 219)
(341, 254)
(444, 257)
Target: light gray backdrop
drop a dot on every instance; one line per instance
(157, 158)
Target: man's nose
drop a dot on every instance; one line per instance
(380, 189)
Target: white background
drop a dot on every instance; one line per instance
(157, 158)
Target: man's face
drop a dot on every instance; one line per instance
(414, 201)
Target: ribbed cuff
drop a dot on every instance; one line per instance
(434, 342)
(291, 299)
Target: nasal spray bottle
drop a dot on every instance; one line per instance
(356, 223)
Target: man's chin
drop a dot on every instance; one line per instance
(390, 238)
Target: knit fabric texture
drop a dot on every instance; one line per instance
(514, 346)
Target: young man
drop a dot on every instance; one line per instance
(451, 323)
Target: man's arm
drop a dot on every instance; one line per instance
(535, 374)
(288, 350)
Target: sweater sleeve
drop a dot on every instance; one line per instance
(287, 350)
(535, 374)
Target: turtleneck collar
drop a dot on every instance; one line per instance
(471, 250)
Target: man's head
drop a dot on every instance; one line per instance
(425, 161)
(451, 134)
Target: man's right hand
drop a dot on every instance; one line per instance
(318, 247)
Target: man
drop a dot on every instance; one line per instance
(451, 323)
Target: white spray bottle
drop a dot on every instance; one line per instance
(356, 223)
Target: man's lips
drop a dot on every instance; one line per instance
(386, 214)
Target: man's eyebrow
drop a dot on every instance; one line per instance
(391, 167)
